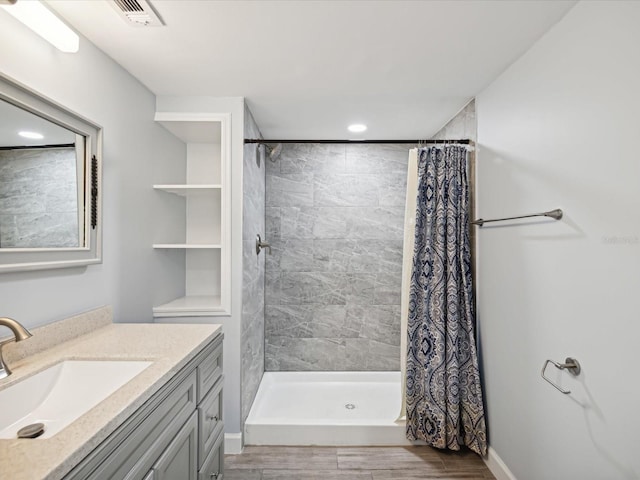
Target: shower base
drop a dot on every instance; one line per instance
(326, 408)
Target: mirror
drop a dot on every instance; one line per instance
(49, 183)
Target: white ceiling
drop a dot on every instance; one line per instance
(310, 68)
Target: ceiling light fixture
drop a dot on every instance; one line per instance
(45, 23)
(31, 135)
(357, 128)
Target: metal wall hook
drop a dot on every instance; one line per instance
(260, 245)
(570, 364)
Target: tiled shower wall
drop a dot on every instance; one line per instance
(38, 198)
(334, 217)
(462, 126)
(253, 268)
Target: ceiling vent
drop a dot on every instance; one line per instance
(138, 13)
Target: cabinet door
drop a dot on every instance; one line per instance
(213, 468)
(179, 460)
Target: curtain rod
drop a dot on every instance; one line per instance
(35, 147)
(412, 142)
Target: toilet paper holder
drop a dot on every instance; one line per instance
(570, 364)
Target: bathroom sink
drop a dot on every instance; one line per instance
(62, 393)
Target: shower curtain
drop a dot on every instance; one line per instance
(444, 405)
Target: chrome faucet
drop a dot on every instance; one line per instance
(20, 333)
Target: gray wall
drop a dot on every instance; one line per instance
(559, 129)
(38, 198)
(136, 153)
(335, 216)
(253, 268)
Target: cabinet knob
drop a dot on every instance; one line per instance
(212, 417)
(216, 476)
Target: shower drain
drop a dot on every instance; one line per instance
(349, 406)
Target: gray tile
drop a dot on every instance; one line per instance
(387, 288)
(253, 279)
(363, 354)
(377, 158)
(392, 190)
(386, 223)
(273, 287)
(380, 323)
(253, 274)
(346, 190)
(16, 200)
(336, 267)
(334, 255)
(290, 190)
(357, 256)
(331, 321)
(389, 254)
(297, 222)
(272, 223)
(252, 364)
(291, 255)
(301, 158)
(306, 354)
(329, 222)
(39, 230)
(313, 287)
(360, 288)
(293, 321)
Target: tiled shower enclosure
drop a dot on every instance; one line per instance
(334, 216)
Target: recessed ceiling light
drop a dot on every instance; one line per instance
(31, 135)
(357, 128)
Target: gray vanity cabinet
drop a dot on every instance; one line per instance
(176, 435)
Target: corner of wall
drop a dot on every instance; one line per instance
(497, 466)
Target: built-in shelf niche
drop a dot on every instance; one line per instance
(204, 239)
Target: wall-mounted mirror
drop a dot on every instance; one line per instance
(49, 183)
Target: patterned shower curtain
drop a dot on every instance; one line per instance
(444, 397)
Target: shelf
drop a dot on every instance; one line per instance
(192, 127)
(186, 245)
(191, 306)
(184, 190)
(194, 220)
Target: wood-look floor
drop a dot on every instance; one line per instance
(353, 463)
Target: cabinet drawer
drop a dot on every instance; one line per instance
(210, 421)
(213, 468)
(209, 371)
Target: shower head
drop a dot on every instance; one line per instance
(274, 152)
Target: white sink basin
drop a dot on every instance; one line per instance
(62, 393)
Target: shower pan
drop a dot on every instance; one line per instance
(327, 408)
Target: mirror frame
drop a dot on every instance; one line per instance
(21, 259)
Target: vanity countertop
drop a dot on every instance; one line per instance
(169, 347)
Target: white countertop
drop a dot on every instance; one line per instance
(169, 347)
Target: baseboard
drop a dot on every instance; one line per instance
(232, 443)
(497, 466)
